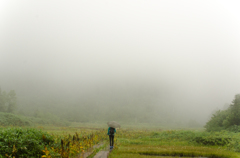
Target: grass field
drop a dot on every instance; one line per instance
(138, 142)
(48, 141)
(177, 143)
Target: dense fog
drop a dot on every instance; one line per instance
(166, 62)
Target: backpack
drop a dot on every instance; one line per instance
(111, 131)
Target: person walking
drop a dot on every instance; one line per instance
(111, 132)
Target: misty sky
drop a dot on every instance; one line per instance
(188, 49)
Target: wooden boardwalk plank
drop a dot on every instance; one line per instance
(101, 154)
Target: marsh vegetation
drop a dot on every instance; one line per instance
(43, 135)
(138, 142)
(167, 71)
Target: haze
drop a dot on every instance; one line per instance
(179, 59)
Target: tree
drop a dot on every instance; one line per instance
(225, 119)
(11, 101)
(234, 118)
(218, 121)
(3, 100)
(7, 101)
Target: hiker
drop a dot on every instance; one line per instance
(111, 132)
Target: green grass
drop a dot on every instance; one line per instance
(139, 144)
(173, 150)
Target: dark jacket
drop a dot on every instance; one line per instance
(109, 130)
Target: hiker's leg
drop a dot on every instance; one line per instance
(112, 140)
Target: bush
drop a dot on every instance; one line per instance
(20, 142)
(212, 140)
(234, 129)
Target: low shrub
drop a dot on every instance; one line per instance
(212, 140)
(20, 142)
(234, 129)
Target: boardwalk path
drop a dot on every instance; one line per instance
(101, 154)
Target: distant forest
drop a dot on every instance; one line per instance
(131, 105)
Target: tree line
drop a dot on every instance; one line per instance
(228, 119)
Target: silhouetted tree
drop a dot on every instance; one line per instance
(225, 119)
(7, 101)
(234, 118)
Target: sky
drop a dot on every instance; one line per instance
(188, 49)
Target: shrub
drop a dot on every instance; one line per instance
(212, 140)
(234, 129)
(20, 142)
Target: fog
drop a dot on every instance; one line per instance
(175, 60)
